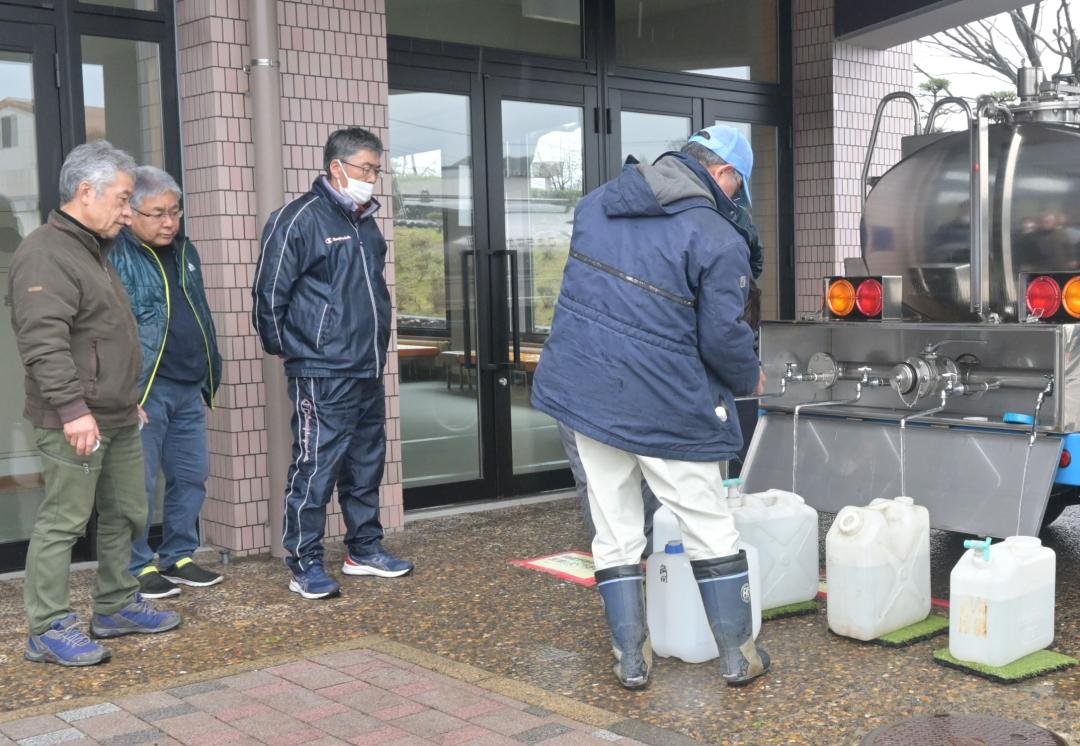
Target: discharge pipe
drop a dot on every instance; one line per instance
(264, 83)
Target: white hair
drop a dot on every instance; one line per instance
(150, 181)
(97, 163)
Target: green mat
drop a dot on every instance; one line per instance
(1038, 663)
(796, 609)
(932, 626)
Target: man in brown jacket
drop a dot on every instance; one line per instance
(80, 348)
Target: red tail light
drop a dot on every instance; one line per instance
(873, 298)
(869, 297)
(1043, 297)
(1066, 459)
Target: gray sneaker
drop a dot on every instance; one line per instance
(139, 617)
(64, 643)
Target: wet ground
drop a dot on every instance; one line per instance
(465, 603)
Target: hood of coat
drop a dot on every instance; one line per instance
(675, 182)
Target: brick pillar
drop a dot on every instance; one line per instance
(837, 88)
(333, 73)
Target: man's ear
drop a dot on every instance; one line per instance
(84, 192)
(336, 172)
(715, 170)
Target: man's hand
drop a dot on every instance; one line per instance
(760, 384)
(83, 434)
(144, 418)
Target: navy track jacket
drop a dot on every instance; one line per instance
(320, 296)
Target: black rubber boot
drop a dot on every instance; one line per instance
(621, 589)
(724, 584)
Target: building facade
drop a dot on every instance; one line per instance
(498, 117)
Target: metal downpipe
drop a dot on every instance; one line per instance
(264, 84)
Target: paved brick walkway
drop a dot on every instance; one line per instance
(355, 696)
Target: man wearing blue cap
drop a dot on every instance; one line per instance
(647, 351)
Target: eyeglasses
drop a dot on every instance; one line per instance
(365, 170)
(175, 213)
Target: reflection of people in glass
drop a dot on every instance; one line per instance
(10, 236)
(1048, 246)
(951, 241)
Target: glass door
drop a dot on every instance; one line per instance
(30, 151)
(438, 265)
(542, 157)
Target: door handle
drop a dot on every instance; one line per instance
(466, 306)
(515, 314)
(515, 318)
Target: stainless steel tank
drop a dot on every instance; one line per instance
(917, 224)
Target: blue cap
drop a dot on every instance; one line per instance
(731, 145)
(1017, 418)
(673, 547)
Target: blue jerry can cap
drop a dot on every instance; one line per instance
(1017, 418)
(673, 547)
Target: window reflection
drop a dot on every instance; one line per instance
(431, 161)
(718, 38)
(20, 213)
(543, 180)
(550, 27)
(128, 4)
(648, 136)
(122, 96)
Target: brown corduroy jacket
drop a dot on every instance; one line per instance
(74, 328)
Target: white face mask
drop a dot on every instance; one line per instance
(357, 190)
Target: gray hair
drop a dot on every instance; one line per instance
(345, 143)
(150, 181)
(707, 158)
(97, 163)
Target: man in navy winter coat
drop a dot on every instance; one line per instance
(322, 305)
(647, 351)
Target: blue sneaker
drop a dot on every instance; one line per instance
(138, 617)
(64, 643)
(381, 564)
(313, 583)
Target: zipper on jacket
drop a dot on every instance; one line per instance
(371, 294)
(168, 316)
(206, 338)
(635, 281)
(318, 334)
(371, 297)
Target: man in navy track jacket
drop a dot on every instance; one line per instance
(322, 305)
(647, 352)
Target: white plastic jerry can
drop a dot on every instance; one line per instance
(877, 564)
(784, 530)
(1001, 600)
(676, 617)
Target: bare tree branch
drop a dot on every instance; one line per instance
(1040, 36)
(1026, 35)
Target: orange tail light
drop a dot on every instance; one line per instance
(840, 297)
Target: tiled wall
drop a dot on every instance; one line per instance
(333, 74)
(837, 88)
